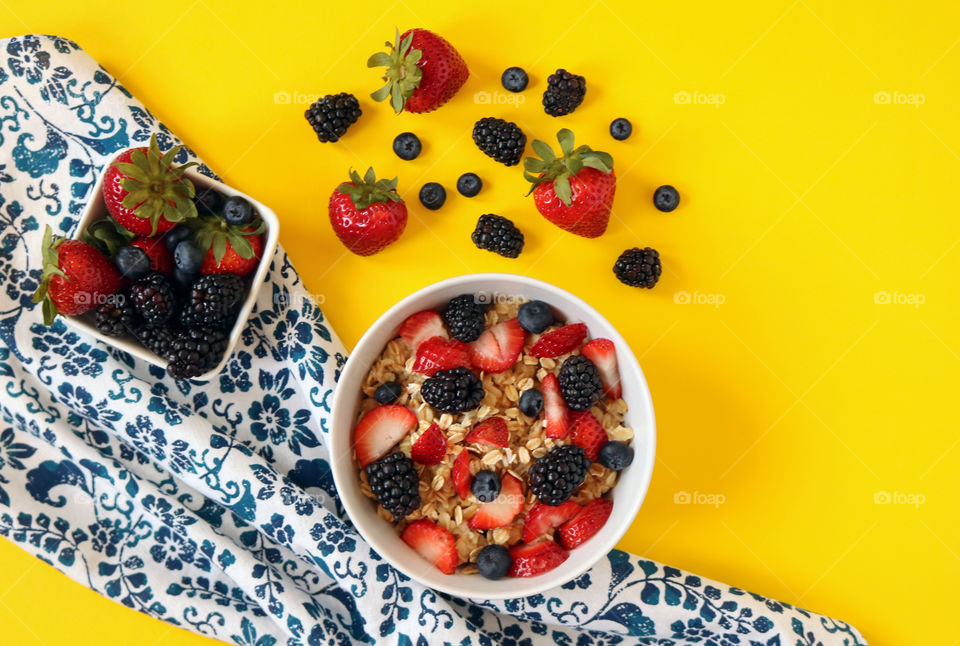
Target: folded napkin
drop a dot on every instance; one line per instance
(211, 506)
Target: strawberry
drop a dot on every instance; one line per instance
(498, 347)
(531, 559)
(503, 509)
(423, 72)
(585, 524)
(603, 354)
(434, 543)
(430, 447)
(542, 518)
(160, 257)
(421, 326)
(556, 415)
(438, 353)
(367, 214)
(460, 473)
(574, 191)
(229, 248)
(145, 193)
(76, 277)
(379, 430)
(493, 432)
(560, 341)
(587, 432)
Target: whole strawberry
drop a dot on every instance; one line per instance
(76, 277)
(424, 71)
(367, 214)
(574, 191)
(228, 248)
(145, 193)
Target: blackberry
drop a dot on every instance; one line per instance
(213, 301)
(638, 267)
(156, 339)
(331, 115)
(564, 93)
(453, 391)
(465, 318)
(580, 384)
(193, 352)
(154, 298)
(499, 235)
(554, 477)
(388, 392)
(116, 316)
(502, 140)
(395, 483)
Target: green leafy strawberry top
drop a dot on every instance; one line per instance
(107, 236)
(402, 75)
(155, 188)
(559, 170)
(50, 257)
(369, 190)
(213, 232)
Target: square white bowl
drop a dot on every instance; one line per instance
(96, 210)
(627, 495)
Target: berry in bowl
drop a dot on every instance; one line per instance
(494, 436)
(165, 264)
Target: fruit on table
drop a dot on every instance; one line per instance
(195, 351)
(574, 191)
(76, 277)
(616, 455)
(560, 341)
(465, 317)
(430, 447)
(423, 72)
(564, 93)
(420, 326)
(330, 116)
(433, 543)
(554, 477)
(541, 518)
(666, 198)
(535, 316)
(145, 193)
(499, 235)
(498, 347)
(531, 402)
(379, 430)
(453, 391)
(531, 559)
(490, 432)
(588, 433)
(486, 485)
(367, 214)
(395, 484)
(213, 300)
(580, 383)
(502, 140)
(638, 267)
(585, 524)
(440, 353)
(228, 248)
(514, 79)
(503, 509)
(388, 392)
(469, 184)
(433, 195)
(154, 298)
(556, 415)
(620, 129)
(407, 146)
(460, 474)
(493, 562)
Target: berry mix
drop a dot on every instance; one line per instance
(166, 266)
(489, 435)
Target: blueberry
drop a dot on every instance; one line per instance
(387, 393)
(208, 201)
(486, 485)
(176, 234)
(407, 146)
(494, 561)
(616, 455)
(514, 79)
(666, 198)
(535, 316)
(182, 279)
(237, 211)
(531, 402)
(620, 129)
(432, 195)
(469, 184)
(133, 262)
(188, 257)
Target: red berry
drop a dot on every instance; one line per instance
(585, 524)
(366, 214)
(588, 433)
(161, 259)
(430, 447)
(434, 543)
(498, 347)
(421, 326)
(535, 558)
(439, 353)
(379, 430)
(603, 354)
(560, 341)
(461, 474)
(493, 432)
(542, 518)
(503, 509)
(556, 414)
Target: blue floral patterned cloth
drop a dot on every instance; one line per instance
(211, 506)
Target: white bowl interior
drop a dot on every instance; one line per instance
(627, 495)
(95, 210)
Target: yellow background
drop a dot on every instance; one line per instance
(798, 399)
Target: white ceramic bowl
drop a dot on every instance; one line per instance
(96, 210)
(627, 495)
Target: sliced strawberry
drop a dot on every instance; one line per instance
(422, 326)
(491, 431)
(439, 353)
(499, 347)
(560, 341)
(531, 559)
(542, 518)
(556, 415)
(461, 474)
(603, 354)
(379, 430)
(434, 543)
(585, 524)
(503, 509)
(431, 447)
(587, 432)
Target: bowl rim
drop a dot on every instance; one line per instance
(340, 449)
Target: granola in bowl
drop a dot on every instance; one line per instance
(488, 436)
